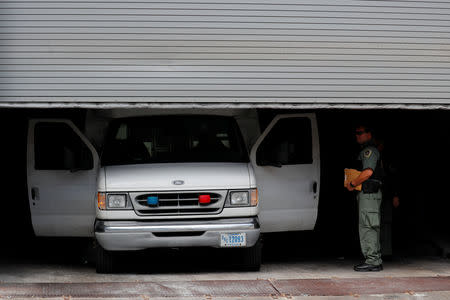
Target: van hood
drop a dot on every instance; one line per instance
(161, 177)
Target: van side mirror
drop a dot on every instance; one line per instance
(69, 158)
(270, 155)
(75, 163)
(269, 163)
(275, 164)
(81, 167)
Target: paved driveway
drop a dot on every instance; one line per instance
(62, 271)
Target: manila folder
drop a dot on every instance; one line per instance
(351, 174)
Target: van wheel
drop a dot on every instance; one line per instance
(252, 257)
(105, 261)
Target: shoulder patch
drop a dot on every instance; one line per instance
(368, 153)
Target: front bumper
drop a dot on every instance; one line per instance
(138, 235)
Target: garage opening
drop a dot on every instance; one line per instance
(416, 142)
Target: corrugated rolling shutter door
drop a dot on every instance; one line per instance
(225, 52)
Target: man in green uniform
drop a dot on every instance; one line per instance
(369, 200)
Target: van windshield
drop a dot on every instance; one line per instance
(164, 139)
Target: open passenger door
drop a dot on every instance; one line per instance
(62, 170)
(286, 161)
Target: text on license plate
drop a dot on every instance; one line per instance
(233, 239)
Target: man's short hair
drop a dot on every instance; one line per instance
(367, 128)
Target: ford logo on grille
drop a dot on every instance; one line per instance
(178, 182)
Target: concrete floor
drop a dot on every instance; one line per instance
(35, 279)
(35, 272)
(416, 296)
(60, 270)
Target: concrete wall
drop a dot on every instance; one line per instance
(320, 53)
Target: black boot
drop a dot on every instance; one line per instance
(368, 268)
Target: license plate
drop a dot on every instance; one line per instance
(233, 239)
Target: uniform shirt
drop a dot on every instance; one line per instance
(369, 157)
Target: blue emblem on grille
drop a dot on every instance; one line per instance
(152, 201)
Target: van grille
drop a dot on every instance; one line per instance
(178, 203)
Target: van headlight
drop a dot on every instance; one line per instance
(239, 198)
(117, 201)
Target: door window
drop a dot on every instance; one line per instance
(58, 147)
(288, 143)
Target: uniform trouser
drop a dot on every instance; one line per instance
(369, 226)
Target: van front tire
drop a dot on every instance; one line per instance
(105, 261)
(252, 257)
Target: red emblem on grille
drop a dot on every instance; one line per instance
(204, 199)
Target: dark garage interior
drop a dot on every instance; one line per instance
(416, 142)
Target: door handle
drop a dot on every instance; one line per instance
(35, 193)
(315, 187)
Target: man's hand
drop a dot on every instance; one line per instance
(396, 201)
(349, 187)
(365, 174)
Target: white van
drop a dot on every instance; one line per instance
(173, 179)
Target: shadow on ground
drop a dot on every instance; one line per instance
(282, 248)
